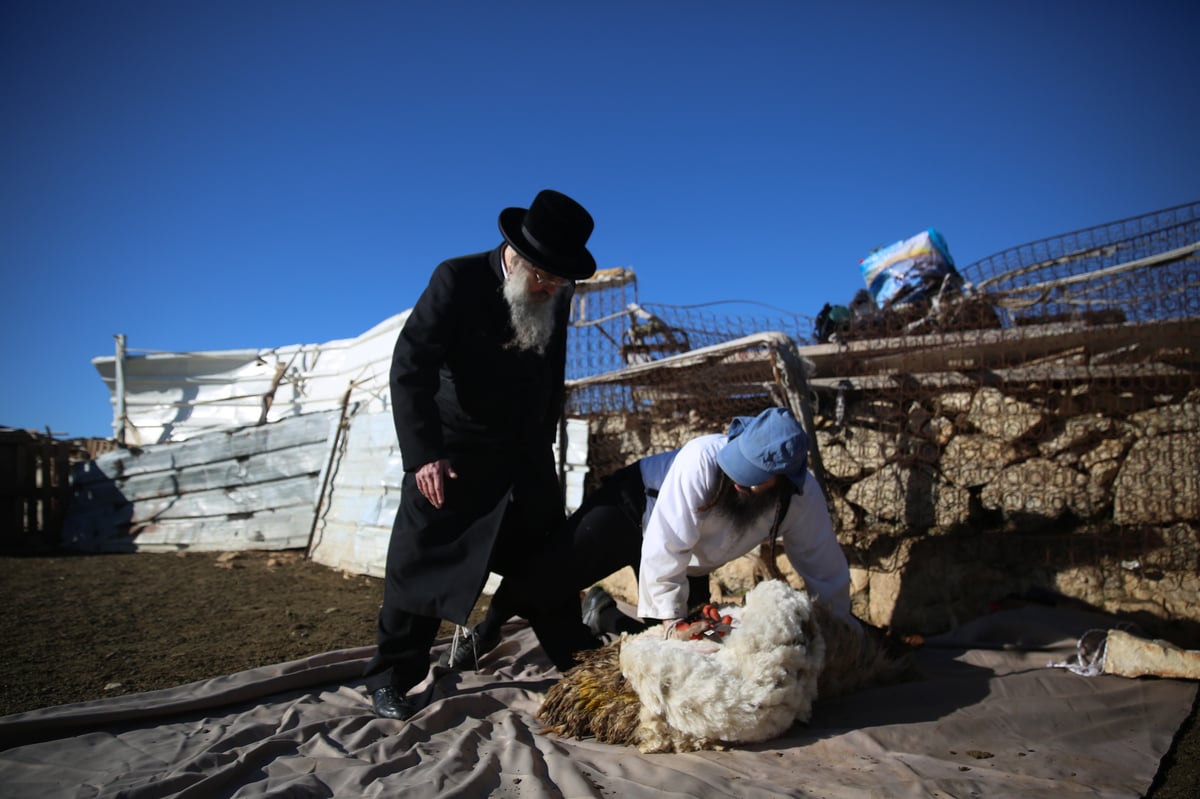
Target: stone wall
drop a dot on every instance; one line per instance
(954, 505)
(1034, 438)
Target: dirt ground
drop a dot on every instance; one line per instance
(82, 627)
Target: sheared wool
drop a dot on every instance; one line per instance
(753, 687)
(677, 696)
(594, 699)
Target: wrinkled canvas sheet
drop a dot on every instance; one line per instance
(987, 718)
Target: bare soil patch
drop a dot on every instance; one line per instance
(82, 627)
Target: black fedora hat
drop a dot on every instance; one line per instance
(552, 234)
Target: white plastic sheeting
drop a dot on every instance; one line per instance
(364, 492)
(185, 487)
(174, 396)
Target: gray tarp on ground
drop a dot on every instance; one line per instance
(988, 718)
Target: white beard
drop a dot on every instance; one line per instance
(533, 322)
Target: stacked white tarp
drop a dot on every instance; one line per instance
(213, 465)
(252, 487)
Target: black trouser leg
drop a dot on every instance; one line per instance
(614, 620)
(603, 536)
(402, 657)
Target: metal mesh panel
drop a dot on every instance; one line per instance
(611, 329)
(655, 406)
(1139, 270)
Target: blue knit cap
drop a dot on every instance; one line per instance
(765, 445)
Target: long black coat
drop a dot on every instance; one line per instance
(459, 393)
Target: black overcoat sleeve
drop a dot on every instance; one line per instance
(431, 330)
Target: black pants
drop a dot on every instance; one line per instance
(603, 536)
(405, 638)
(402, 657)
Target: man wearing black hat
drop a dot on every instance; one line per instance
(477, 387)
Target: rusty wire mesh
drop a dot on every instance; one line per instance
(1142, 269)
(633, 407)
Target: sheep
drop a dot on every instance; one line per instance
(782, 653)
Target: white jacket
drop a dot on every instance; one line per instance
(678, 540)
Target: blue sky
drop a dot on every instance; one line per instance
(220, 175)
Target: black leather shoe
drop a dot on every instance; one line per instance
(594, 601)
(465, 650)
(389, 704)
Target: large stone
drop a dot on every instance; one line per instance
(951, 506)
(845, 520)
(739, 575)
(886, 495)
(869, 448)
(1109, 449)
(939, 430)
(1159, 482)
(1181, 418)
(837, 460)
(954, 402)
(622, 585)
(1035, 488)
(975, 460)
(881, 601)
(1096, 499)
(860, 580)
(1001, 416)
(1078, 431)
(911, 496)
(885, 584)
(928, 426)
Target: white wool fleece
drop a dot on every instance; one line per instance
(753, 688)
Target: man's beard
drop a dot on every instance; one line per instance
(532, 321)
(742, 509)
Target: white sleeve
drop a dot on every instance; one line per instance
(672, 533)
(813, 549)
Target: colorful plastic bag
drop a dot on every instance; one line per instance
(908, 270)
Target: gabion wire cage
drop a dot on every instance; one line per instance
(1142, 269)
(1052, 394)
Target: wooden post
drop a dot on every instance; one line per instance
(43, 486)
(794, 377)
(269, 397)
(119, 417)
(327, 472)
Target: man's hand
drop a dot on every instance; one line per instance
(431, 481)
(681, 630)
(712, 626)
